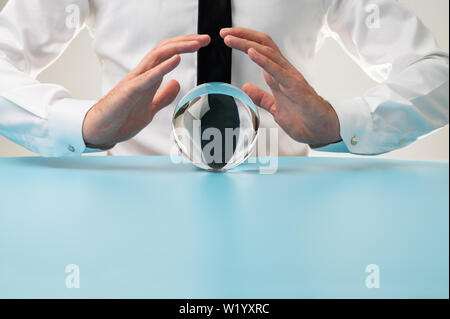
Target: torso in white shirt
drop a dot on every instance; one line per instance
(296, 28)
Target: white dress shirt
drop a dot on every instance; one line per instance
(396, 50)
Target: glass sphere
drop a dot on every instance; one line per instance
(216, 126)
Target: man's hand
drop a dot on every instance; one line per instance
(294, 104)
(131, 105)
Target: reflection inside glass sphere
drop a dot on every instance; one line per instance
(216, 126)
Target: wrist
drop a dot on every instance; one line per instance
(89, 134)
(331, 130)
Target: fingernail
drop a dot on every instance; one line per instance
(224, 30)
(251, 51)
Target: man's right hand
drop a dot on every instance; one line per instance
(131, 105)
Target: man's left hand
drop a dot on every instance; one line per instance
(294, 104)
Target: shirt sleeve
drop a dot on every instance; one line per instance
(394, 48)
(42, 117)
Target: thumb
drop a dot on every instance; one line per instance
(165, 96)
(260, 97)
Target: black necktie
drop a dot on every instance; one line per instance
(214, 65)
(214, 61)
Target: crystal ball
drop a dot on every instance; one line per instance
(216, 126)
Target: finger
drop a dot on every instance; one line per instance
(260, 97)
(149, 78)
(202, 38)
(244, 45)
(162, 53)
(181, 44)
(249, 34)
(165, 96)
(280, 74)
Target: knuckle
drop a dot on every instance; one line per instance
(267, 37)
(271, 51)
(128, 77)
(127, 89)
(150, 74)
(263, 59)
(285, 63)
(238, 32)
(156, 56)
(162, 42)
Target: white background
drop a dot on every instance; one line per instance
(79, 71)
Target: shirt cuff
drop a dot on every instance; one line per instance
(65, 123)
(355, 121)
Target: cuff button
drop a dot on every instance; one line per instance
(354, 140)
(71, 148)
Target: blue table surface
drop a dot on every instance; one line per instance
(143, 227)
